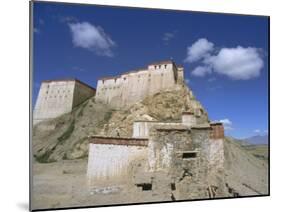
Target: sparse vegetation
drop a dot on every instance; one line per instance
(82, 109)
(67, 133)
(45, 157)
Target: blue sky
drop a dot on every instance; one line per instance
(225, 56)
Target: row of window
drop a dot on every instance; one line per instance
(159, 66)
(58, 91)
(49, 97)
(138, 77)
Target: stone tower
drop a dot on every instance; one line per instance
(57, 97)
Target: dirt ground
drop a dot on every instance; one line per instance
(64, 184)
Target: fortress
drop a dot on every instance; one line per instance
(134, 86)
(57, 97)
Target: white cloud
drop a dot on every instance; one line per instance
(237, 63)
(168, 36)
(91, 37)
(257, 131)
(67, 19)
(198, 50)
(201, 71)
(227, 124)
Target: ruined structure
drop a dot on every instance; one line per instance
(57, 97)
(130, 87)
(176, 160)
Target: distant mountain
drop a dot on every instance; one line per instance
(257, 140)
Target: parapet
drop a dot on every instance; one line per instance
(118, 141)
(69, 80)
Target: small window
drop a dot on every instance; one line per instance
(124, 78)
(173, 186)
(145, 186)
(165, 66)
(155, 67)
(187, 155)
(159, 66)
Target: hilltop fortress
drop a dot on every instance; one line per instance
(57, 97)
(159, 159)
(134, 86)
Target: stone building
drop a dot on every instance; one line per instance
(134, 86)
(57, 97)
(175, 160)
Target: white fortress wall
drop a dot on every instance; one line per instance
(54, 98)
(57, 97)
(136, 85)
(110, 162)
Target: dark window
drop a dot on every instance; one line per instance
(155, 67)
(173, 186)
(189, 155)
(145, 186)
(124, 78)
(165, 66)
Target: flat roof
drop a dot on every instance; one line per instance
(141, 69)
(118, 141)
(69, 80)
(216, 123)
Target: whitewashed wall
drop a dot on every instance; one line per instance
(108, 162)
(135, 86)
(58, 97)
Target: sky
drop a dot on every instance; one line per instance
(225, 57)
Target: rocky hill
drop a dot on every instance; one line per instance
(65, 137)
